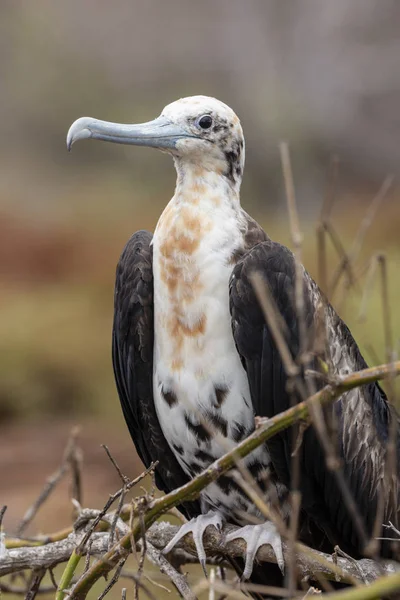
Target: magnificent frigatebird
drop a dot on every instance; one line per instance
(194, 360)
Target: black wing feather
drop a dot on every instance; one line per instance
(363, 414)
(132, 354)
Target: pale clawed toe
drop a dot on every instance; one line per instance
(256, 536)
(197, 527)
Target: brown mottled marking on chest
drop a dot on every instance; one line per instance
(197, 191)
(179, 243)
(178, 327)
(181, 230)
(170, 276)
(177, 364)
(178, 333)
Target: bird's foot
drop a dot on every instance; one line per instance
(256, 536)
(197, 527)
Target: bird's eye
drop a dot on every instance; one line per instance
(205, 122)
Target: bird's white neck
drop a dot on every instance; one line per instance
(204, 212)
(198, 181)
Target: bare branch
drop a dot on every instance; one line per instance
(2, 513)
(110, 501)
(34, 584)
(309, 562)
(51, 483)
(114, 579)
(6, 588)
(329, 199)
(365, 225)
(274, 321)
(123, 477)
(179, 580)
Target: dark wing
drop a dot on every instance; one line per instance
(362, 414)
(132, 354)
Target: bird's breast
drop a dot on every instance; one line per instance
(191, 278)
(201, 391)
(195, 358)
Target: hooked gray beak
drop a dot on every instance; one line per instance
(160, 133)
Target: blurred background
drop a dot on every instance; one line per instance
(323, 76)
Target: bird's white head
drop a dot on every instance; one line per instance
(199, 130)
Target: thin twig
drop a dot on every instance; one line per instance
(371, 273)
(108, 504)
(51, 483)
(294, 520)
(2, 513)
(360, 236)
(392, 528)
(133, 577)
(125, 480)
(142, 555)
(157, 583)
(345, 259)
(324, 217)
(253, 492)
(237, 589)
(178, 579)
(355, 563)
(297, 239)
(6, 588)
(211, 591)
(274, 321)
(87, 559)
(117, 515)
(53, 579)
(34, 584)
(114, 579)
(75, 462)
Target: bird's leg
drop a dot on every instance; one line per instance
(197, 527)
(256, 536)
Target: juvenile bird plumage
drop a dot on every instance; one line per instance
(194, 360)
